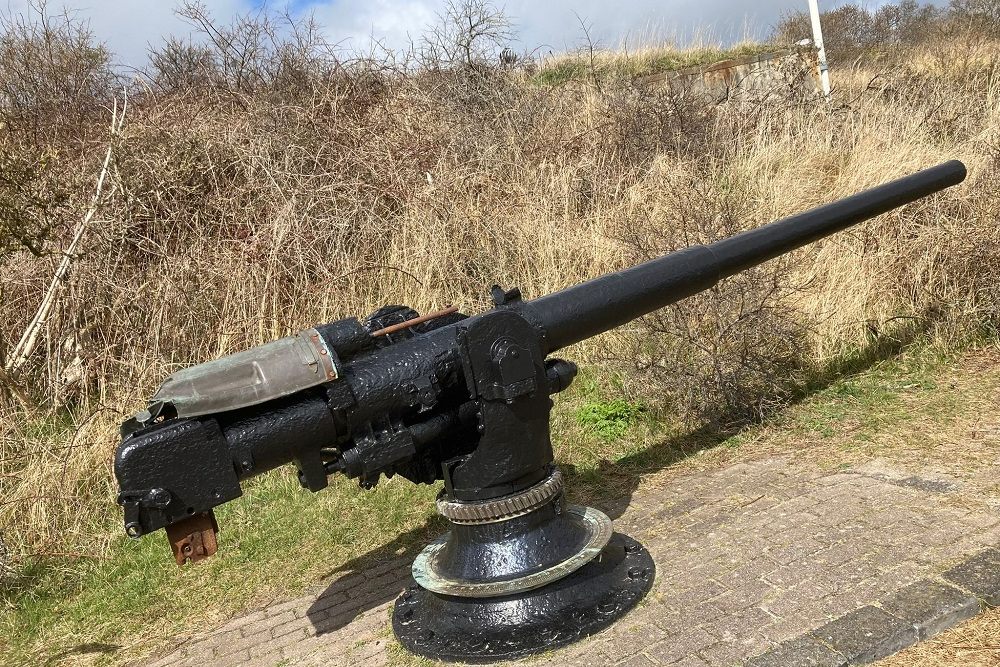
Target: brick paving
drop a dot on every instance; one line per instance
(770, 561)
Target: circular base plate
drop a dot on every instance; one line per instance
(481, 630)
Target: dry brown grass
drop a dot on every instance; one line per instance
(975, 643)
(241, 207)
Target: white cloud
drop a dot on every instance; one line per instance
(356, 23)
(127, 26)
(556, 24)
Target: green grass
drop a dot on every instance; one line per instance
(889, 406)
(274, 541)
(611, 420)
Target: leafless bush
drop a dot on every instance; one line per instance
(179, 65)
(31, 199)
(468, 33)
(851, 29)
(734, 350)
(977, 16)
(892, 30)
(54, 80)
(258, 53)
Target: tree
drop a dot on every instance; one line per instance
(468, 32)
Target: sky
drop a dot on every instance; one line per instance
(127, 27)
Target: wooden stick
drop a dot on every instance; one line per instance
(22, 351)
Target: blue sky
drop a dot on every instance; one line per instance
(128, 26)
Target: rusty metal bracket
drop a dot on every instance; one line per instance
(415, 321)
(194, 539)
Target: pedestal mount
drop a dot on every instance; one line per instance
(518, 575)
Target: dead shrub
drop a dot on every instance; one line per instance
(55, 82)
(728, 353)
(32, 199)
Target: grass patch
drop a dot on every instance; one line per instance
(856, 408)
(274, 541)
(924, 402)
(611, 420)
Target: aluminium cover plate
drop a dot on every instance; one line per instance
(266, 372)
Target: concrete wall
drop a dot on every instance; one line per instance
(792, 71)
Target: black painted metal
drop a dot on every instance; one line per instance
(174, 471)
(505, 373)
(465, 400)
(475, 630)
(512, 548)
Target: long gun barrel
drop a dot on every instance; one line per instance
(579, 312)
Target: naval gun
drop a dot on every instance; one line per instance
(453, 398)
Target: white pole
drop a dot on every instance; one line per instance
(824, 69)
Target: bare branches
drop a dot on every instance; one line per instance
(891, 29)
(258, 52)
(53, 77)
(468, 33)
(26, 345)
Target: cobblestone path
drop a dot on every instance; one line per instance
(771, 561)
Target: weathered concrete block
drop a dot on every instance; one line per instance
(799, 652)
(931, 607)
(980, 575)
(866, 635)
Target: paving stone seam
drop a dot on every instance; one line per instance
(956, 598)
